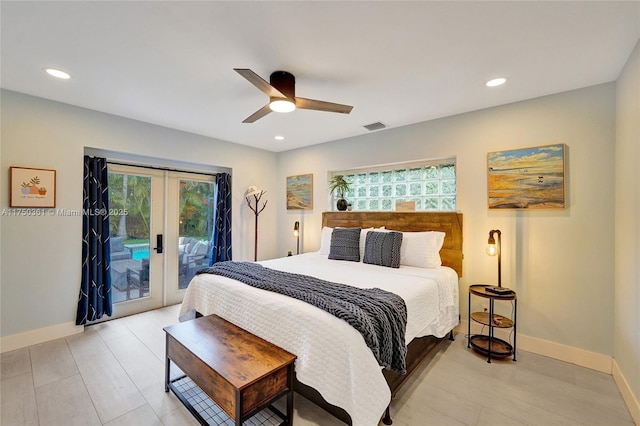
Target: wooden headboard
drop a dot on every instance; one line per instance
(449, 223)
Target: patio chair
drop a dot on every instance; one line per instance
(118, 250)
(193, 260)
(139, 278)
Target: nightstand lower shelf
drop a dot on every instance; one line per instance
(499, 348)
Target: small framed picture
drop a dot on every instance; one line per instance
(32, 187)
(300, 192)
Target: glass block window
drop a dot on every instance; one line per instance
(431, 185)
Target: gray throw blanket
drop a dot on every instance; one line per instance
(380, 316)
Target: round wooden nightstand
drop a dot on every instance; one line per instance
(488, 344)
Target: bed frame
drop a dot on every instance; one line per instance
(419, 350)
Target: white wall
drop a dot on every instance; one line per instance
(559, 261)
(627, 232)
(41, 256)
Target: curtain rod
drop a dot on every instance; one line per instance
(166, 169)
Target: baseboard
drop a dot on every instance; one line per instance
(40, 335)
(627, 393)
(581, 357)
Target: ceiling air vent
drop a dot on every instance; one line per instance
(375, 126)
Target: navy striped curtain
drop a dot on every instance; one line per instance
(95, 288)
(221, 238)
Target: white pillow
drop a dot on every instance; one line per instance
(421, 249)
(325, 240)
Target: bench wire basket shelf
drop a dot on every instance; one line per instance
(207, 412)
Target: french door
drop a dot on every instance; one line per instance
(161, 226)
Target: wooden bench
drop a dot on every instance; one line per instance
(239, 371)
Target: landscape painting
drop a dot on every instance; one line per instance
(300, 192)
(529, 178)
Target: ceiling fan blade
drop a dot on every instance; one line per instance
(260, 83)
(303, 103)
(258, 114)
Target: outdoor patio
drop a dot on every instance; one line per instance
(130, 267)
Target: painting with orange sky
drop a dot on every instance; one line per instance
(529, 178)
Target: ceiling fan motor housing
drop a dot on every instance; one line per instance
(285, 82)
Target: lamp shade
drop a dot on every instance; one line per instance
(492, 249)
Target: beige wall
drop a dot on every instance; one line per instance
(559, 261)
(41, 256)
(627, 230)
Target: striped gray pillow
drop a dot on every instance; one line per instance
(383, 248)
(345, 244)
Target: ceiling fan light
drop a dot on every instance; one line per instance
(281, 105)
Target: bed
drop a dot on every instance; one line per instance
(335, 368)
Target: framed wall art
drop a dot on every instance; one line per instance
(32, 187)
(300, 192)
(528, 178)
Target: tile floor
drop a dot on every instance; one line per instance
(113, 374)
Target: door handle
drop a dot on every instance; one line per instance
(158, 249)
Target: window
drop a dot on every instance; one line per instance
(431, 185)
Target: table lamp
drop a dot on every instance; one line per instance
(493, 248)
(296, 233)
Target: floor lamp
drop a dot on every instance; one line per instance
(253, 195)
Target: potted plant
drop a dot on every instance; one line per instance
(339, 186)
(25, 188)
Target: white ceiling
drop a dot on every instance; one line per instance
(171, 63)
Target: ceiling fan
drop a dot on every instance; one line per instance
(282, 94)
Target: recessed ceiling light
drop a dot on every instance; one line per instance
(496, 82)
(279, 138)
(57, 73)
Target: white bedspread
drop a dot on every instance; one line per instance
(332, 356)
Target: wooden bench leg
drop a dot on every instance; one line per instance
(167, 366)
(238, 408)
(289, 420)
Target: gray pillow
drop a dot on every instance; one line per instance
(345, 244)
(117, 244)
(383, 248)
